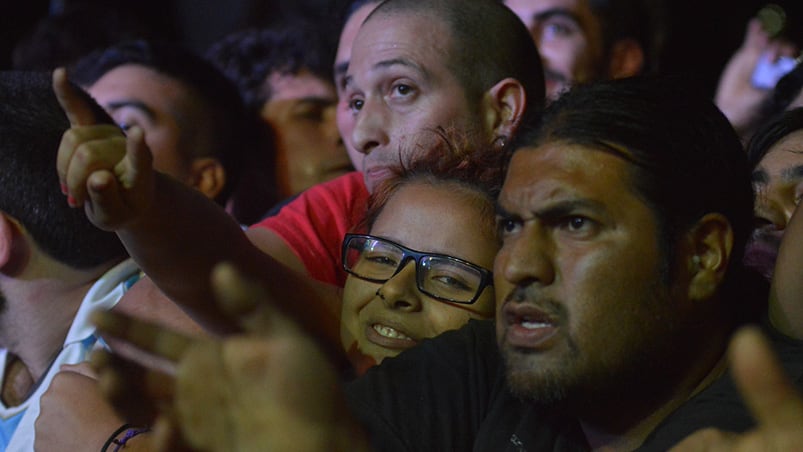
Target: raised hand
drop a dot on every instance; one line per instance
(773, 400)
(736, 96)
(111, 175)
(273, 389)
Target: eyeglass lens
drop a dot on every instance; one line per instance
(438, 276)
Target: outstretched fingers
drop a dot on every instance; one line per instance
(146, 336)
(138, 394)
(243, 299)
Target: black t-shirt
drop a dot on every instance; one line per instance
(720, 405)
(449, 394)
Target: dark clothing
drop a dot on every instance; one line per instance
(449, 394)
(720, 405)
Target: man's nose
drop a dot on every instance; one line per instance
(370, 128)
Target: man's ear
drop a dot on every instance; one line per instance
(627, 58)
(503, 108)
(711, 248)
(207, 176)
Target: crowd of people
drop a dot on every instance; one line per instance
(472, 225)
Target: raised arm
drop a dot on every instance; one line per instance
(786, 292)
(173, 232)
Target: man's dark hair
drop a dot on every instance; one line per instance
(248, 57)
(489, 43)
(31, 126)
(644, 21)
(235, 131)
(771, 132)
(686, 158)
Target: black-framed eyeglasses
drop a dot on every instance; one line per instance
(440, 276)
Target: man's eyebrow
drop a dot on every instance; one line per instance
(557, 210)
(562, 209)
(322, 101)
(557, 12)
(341, 68)
(116, 105)
(384, 64)
(400, 62)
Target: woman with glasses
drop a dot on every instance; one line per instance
(424, 265)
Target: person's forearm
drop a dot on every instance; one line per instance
(178, 242)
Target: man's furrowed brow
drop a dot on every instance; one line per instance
(501, 212)
(561, 209)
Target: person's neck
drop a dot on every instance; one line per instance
(34, 325)
(615, 431)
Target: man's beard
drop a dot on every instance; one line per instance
(544, 386)
(572, 381)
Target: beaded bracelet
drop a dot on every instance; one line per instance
(114, 437)
(132, 432)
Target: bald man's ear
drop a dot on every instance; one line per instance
(503, 108)
(207, 176)
(627, 59)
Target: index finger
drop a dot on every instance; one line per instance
(74, 105)
(767, 390)
(149, 337)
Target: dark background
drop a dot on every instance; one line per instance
(702, 33)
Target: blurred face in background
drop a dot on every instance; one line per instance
(345, 121)
(569, 38)
(778, 183)
(301, 113)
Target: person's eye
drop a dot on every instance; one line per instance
(381, 259)
(311, 112)
(356, 104)
(558, 29)
(402, 92)
(452, 282)
(578, 225)
(506, 226)
(126, 118)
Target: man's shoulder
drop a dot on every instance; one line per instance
(342, 197)
(347, 186)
